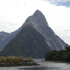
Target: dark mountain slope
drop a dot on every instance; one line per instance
(28, 43)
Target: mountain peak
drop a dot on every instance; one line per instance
(39, 17)
(37, 12)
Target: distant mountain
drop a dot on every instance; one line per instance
(3, 36)
(34, 39)
(6, 37)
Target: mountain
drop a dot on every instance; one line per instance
(34, 39)
(27, 43)
(6, 37)
(38, 21)
(3, 37)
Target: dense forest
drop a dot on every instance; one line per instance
(63, 55)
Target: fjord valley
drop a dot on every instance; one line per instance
(33, 39)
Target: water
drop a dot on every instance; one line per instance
(43, 66)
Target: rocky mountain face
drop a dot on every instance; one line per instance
(6, 37)
(34, 39)
(3, 36)
(38, 21)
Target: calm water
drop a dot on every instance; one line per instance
(43, 66)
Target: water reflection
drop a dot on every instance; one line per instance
(48, 66)
(42, 68)
(37, 68)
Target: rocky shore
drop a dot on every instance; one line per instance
(18, 64)
(16, 61)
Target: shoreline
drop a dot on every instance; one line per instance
(18, 64)
(56, 61)
(16, 61)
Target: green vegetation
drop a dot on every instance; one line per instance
(63, 55)
(16, 61)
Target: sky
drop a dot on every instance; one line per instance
(13, 14)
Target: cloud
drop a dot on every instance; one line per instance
(13, 14)
(60, 2)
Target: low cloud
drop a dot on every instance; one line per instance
(13, 14)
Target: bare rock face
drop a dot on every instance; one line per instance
(38, 21)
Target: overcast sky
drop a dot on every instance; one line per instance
(57, 12)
